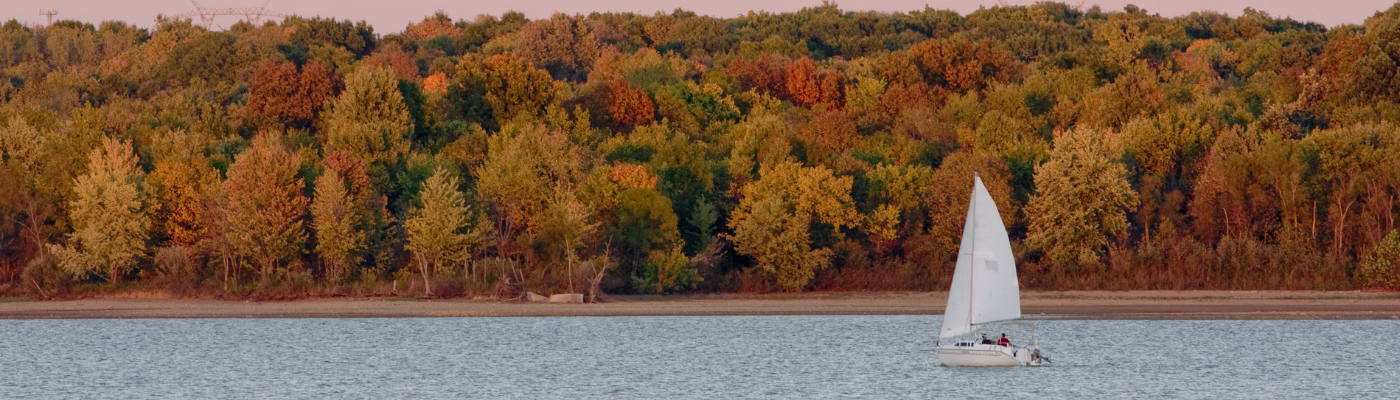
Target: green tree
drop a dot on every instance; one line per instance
(665, 271)
(214, 57)
(1082, 201)
(356, 37)
(111, 216)
(566, 224)
(1372, 70)
(1381, 268)
(645, 221)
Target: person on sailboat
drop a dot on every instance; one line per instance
(985, 340)
(1004, 341)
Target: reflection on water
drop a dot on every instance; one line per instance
(668, 357)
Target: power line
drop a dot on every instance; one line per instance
(48, 13)
(253, 15)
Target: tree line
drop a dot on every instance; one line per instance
(628, 153)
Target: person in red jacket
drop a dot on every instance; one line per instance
(1004, 341)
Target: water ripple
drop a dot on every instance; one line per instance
(681, 357)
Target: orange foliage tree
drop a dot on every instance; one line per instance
(808, 86)
(958, 64)
(630, 105)
(266, 208)
(765, 74)
(294, 99)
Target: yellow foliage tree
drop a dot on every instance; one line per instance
(436, 227)
(369, 119)
(333, 216)
(773, 218)
(110, 213)
(1082, 201)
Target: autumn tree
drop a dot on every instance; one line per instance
(347, 215)
(401, 63)
(333, 213)
(1132, 95)
(437, 227)
(525, 168)
(898, 193)
(111, 216)
(808, 86)
(178, 183)
(830, 132)
(293, 98)
(563, 45)
(766, 74)
(957, 64)
(369, 119)
(431, 27)
(774, 216)
(265, 204)
(1221, 202)
(1260, 151)
(1081, 202)
(500, 88)
(630, 106)
(950, 188)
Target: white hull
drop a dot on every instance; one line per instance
(983, 355)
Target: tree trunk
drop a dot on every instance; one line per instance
(1339, 233)
(427, 286)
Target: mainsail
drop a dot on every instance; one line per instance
(984, 289)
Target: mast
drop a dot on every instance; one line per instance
(972, 272)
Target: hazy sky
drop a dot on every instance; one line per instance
(392, 15)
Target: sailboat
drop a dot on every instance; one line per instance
(984, 291)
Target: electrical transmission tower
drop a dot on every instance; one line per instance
(251, 14)
(48, 13)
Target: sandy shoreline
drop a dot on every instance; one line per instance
(1035, 305)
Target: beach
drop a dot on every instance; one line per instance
(1035, 305)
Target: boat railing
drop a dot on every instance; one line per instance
(1034, 339)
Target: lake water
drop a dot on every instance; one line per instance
(683, 357)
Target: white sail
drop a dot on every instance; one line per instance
(957, 314)
(985, 288)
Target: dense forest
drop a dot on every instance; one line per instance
(626, 153)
